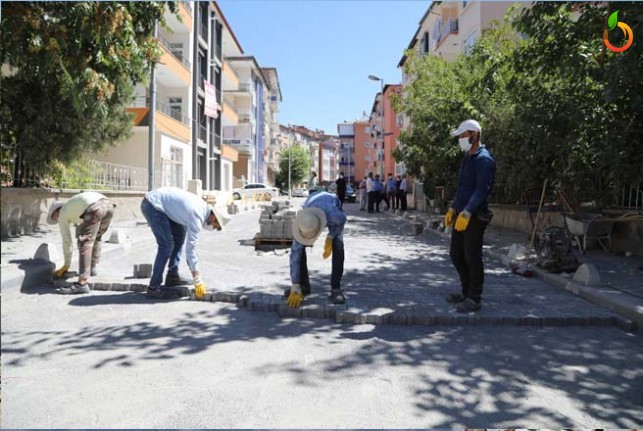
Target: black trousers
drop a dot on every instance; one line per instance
(466, 256)
(371, 202)
(337, 261)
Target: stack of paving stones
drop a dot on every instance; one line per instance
(276, 221)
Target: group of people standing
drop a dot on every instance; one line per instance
(372, 191)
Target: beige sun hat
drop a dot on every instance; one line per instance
(308, 225)
(52, 209)
(222, 218)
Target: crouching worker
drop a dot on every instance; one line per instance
(91, 213)
(321, 209)
(174, 214)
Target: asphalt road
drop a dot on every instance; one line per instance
(119, 360)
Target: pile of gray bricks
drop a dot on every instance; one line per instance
(276, 221)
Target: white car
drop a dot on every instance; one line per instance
(258, 190)
(299, 193)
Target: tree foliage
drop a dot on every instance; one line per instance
(299, 169)
(553, 103)
(72, 67)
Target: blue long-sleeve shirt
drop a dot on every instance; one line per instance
(335, 220)
(477, 176)
(186, 209)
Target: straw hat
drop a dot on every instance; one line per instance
(54, 207)
(308, 225)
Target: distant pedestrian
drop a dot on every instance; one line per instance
(378, 187)
(471, 214)
(174, 214)
(320, 210)
(402, 192)
(362, 194)
(370, 191)
(391, 191)
(313, 184)
(341, 189)
(91, 213)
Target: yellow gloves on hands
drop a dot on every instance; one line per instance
(60, 273)
(328, 247)
(199, 287)
(448, 218)
(295, 298)
(463, 221)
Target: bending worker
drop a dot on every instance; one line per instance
(321, 209)
(173, 214)
(91, 213)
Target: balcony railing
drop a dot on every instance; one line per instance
(179, 56)
(144, 102)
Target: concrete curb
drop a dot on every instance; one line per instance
(317, 307)
(628, 306)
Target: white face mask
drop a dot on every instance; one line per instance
(464, 144)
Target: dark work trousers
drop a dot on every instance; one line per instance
(337, 262)
(466, 255)
(371, 202)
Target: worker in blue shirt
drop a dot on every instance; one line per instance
(320, 210)
(471, 214)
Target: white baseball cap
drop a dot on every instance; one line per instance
(468, 125)
(308, 225)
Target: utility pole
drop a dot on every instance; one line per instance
(152, 119)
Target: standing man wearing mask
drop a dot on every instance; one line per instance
(471, 214)
(174, 214)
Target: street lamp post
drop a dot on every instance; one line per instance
(375, 78)
(289, 161)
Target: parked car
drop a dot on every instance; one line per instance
(264, 191)
(351, 194)
(299, 193)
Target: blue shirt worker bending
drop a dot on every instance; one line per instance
(471, 214)
(320, 210)
(174, 214)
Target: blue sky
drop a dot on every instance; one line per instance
(325, 50)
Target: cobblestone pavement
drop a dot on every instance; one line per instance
(391, 276)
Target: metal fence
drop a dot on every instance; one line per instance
(89, 174)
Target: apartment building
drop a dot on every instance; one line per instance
(272, 100)
(346, 152)
(186, 123)
(448, 29)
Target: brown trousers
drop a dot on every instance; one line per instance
(96, 220)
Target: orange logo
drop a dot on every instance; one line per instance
(612, 22)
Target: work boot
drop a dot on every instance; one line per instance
(161, 293)
(74, 289)
(455, 298)
(177, 280)
(337, 296)
(467, 306)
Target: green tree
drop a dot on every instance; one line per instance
(73, 66)
(299, 169)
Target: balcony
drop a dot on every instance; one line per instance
(448, 27)
(176, 53)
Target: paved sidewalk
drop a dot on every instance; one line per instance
(391, 277)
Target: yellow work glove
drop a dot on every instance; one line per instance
(199, 287)
(448, 218)
(295, 298)
(328, 247)
(60, 273)
(463, 221)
